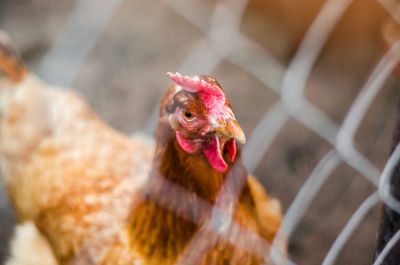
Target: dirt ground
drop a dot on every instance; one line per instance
(124, 78)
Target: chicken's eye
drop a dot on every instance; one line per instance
(188, 115)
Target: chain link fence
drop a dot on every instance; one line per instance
(215, 37)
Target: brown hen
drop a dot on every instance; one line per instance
(100, 197)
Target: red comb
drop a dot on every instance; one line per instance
(212, 96)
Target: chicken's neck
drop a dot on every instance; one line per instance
(181, 189)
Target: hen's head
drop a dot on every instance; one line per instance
(203, 119)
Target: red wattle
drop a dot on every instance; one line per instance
(212, 151)
(231, 147)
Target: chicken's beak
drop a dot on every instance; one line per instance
(232, 129)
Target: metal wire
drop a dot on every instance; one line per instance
(351, 225)
(302, 201)
(385, 181)
(345, 139)
(294, 83)
(80, 33)
(387, 248)
(263, 135)
(392, 7)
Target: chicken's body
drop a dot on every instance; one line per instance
(390, 219)
(95, 194)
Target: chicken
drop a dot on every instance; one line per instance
(100, 197)
(390, 219)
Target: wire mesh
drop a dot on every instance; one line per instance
(289, 84)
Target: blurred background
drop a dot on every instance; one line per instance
(123, 77)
